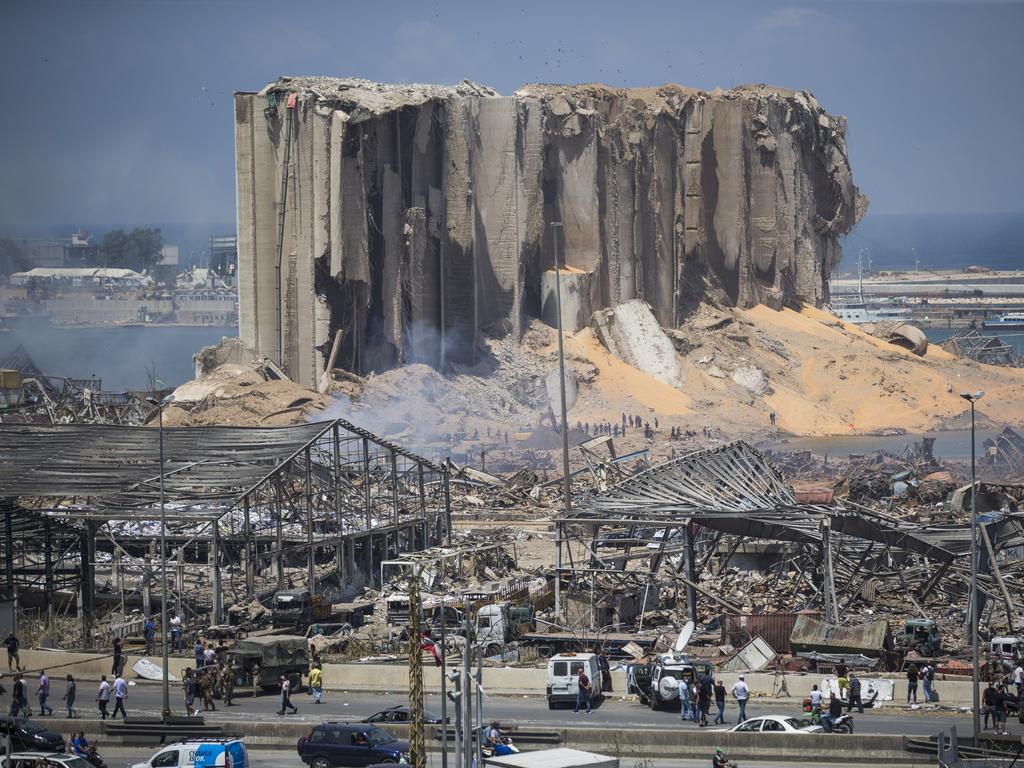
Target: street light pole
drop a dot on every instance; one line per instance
(163, 565)
(972, 398)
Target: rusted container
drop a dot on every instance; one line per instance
(815, 496)
(775, 628)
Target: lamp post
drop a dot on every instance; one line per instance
(163, 560)
(972, 613)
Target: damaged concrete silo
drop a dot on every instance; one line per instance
(416, 218)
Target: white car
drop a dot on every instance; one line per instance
(774, 724)
(44, 760)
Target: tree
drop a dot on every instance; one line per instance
(13, 257)
(138, 249)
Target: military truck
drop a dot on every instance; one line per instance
(261, 661)
(296, 609)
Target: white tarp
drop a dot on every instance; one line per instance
(150, 671)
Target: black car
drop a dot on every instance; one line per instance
(350, 744)
(400, 714)
(27, 736)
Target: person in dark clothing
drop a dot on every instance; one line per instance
(999, 712)
(115, 667)
(855, 694)
(835, 711)
(17, 696)
(582, 691)
(987, 701)
(13, 658)
(720, 702)
(704, 692)
(605, 667)
(912, 676)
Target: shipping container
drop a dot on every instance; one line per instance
(774, 628)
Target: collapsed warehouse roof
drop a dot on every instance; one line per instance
(676, 514)
(312, 493)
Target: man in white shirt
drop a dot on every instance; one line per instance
(1018, 679)
(175, 623)
(120, 694)
(742, 693)
(103, 697)
(815, 699)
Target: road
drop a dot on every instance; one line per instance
(124, 758)
(145, 699)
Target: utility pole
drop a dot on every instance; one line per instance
(972, 612)
(163, 563)
(566, 479)
(417, 744)
(467, 689)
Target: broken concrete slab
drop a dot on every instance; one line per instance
(632, 334)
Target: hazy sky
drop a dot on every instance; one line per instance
(121, 113)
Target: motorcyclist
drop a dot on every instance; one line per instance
(80, 745)
(719, 760)
(835, 711)
(494, 733)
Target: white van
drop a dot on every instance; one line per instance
(207, 753)
(562, 671)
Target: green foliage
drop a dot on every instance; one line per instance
(138, 249)
(13, 257)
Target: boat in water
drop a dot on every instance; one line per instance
(863, 313)
(1008, 321)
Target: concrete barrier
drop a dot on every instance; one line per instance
(507, 681)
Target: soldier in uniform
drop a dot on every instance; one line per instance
(227, 683)
(206, 684)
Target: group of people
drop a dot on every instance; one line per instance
(695, 697)
(1001, 696)
(206, 682)
(19, 695)
(316, 688)
(926, 676)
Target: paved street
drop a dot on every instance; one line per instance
(145, 699)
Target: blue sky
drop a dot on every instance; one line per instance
(120, 112)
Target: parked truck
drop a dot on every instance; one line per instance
(296, 609)
(261, 661)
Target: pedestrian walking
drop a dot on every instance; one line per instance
(286, 697)
(999, 704)
(741, 692)
(13, 657)
(103, 696)
(17, 696)
(316, 683)
(70, 692)
(854, 694)
(706, 684)
(43, 692)
(684, 699)
(206, 684)
(582, 690)
(720, 702)
(1018, 679)
(694, 701)
(23, 703)
(150, 632)
(120, 694)
(227, 682)
(188, 686)
(606, 669)
(912, 676)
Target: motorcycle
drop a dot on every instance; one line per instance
(841, 724)
(93, 757)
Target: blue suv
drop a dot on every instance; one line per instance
(350, 744)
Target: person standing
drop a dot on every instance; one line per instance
(150, 632)
(43, 692)
(206, 684)
(103, 697)
(582, 690)
(928, 680)
(704, 699)
(684, 699)
(720, 702)
(854, 694)
(286, 697)
(13, 657)
(1018, 679)
(175, 622)
(999, 711)
(695, 701)
(120, 694)
(227, 681)
(912, 676)
(197, 649)
(115, 667)
(815, 701)
(605, 666)
(209, 655)
(987, 700)
(188, 686)
(741, 692)
(69, 697)
(316, 682)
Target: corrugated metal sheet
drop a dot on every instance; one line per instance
(775, 628)
(810, 634)
(755, 655)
